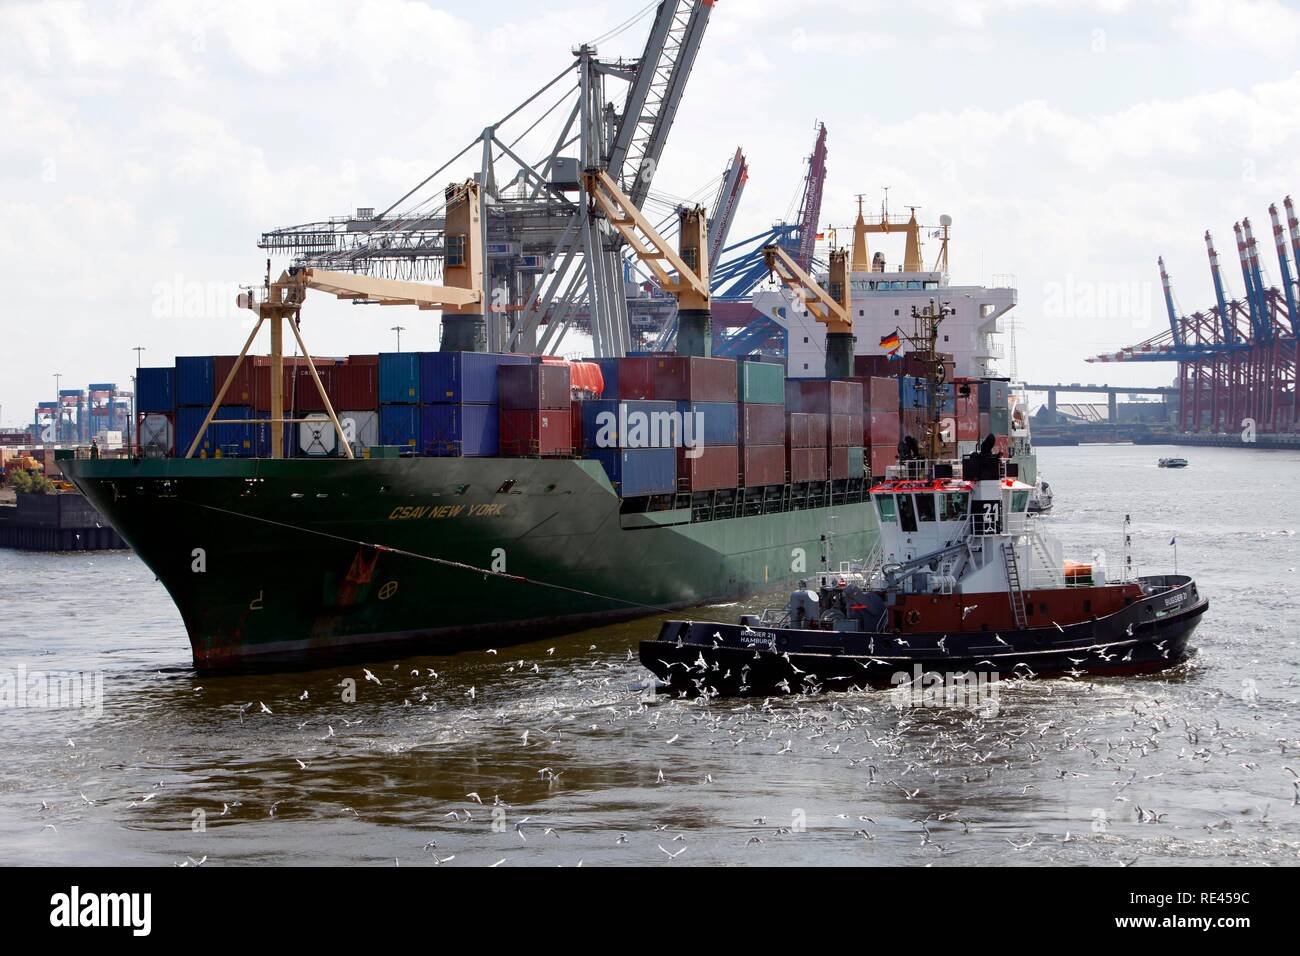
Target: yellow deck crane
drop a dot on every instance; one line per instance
(830, 308)
(461, 301)
(690, 282)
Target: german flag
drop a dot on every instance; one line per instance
(821, 237)
(890, 342)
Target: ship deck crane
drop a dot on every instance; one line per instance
(689, 280)
(280, 302)
(831, 308)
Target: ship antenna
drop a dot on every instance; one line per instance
(1128, 556)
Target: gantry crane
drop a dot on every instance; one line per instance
(549, 262)
(830, 308)
(280, 303)
(1238, 361)
(689, 282)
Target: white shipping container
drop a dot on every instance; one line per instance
(316, 438)
(156, 434)
(361, 429)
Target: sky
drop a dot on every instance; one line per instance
(148, 144)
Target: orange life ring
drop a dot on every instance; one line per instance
(914, 616)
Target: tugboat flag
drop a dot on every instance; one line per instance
(890, 342)
(1173, 541)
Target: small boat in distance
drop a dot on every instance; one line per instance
(1172, 463)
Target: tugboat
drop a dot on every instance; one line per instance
(961, 584)
(1172, 463)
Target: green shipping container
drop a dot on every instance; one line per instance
(383, 451)
(857, 461)
(760, 383)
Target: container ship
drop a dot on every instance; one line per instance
(302, 508)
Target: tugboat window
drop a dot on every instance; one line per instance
(925, 507)
(906, 513)
(1019, 500)
(953, 506)
(885, 505)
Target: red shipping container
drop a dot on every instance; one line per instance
(842, 431)
(1002, 446)
(882, 394)
(262, 381)
(883, 429)
(575, 414)
(718, 467)
(796, 430)
(819, 430)
(363, 360)
(838, 467)
(353, 386)
(636, 378)
(684, 378)
(306, 396)
(809, 464)
(241, 389)
(827, 396)
(531, 432)
(762, 424)
(817, 464)
(882, 456)
(543, 385)
(763, 465)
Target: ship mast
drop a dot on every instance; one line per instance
(925, 341)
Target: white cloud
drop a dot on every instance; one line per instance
(149, 140)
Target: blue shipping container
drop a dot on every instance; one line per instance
(399, 378)
(609, 373)
(155, 391)
(195, 375)
(262, 440)
(399, 424)
(468, 378)
(601, 420)
(470, 431)
(720, 421)
(232, 437)
(636, 472)
(237, 440)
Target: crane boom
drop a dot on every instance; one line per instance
(689, 282)
(831, 308)
(825, 308)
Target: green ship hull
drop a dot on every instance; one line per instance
(278, 561)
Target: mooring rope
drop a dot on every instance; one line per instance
(445, 562)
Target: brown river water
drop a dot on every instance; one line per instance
(541, 754)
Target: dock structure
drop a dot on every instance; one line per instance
(56, 522)
(1237, 360)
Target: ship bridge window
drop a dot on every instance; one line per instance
(925, 507)
(885, 505)
(1019, 500)
(953, 505)
(906, 513)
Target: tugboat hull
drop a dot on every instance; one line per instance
(742, 659)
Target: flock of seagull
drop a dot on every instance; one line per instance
(1062, 771)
